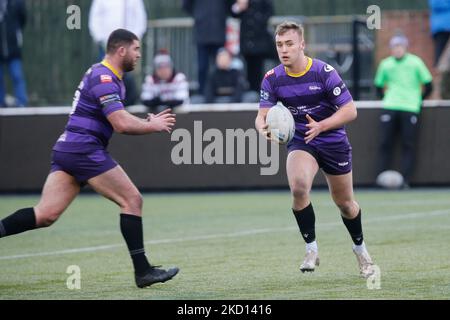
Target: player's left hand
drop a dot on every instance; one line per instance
(163, 121)
(315, 128)
(150, 116)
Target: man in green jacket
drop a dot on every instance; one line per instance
(403, 81)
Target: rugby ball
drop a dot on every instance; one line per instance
(390, 179)
(281, 124)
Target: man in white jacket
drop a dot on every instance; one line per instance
(106, 16)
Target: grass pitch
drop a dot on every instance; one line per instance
(239, 245)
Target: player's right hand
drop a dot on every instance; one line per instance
(264, 130)
(163, 121)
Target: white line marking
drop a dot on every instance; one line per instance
(242, 233)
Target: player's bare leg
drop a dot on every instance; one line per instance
(59, 190)
(118, 187)
(341, 188)
(301, 169)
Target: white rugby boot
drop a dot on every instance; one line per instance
(310, 262)
(364, 261)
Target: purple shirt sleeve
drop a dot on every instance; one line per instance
(336, 90)
(267, 95)
(107, 94)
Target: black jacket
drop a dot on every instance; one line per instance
(225, 83)
(210, 19)
(255, 38)
(12, 22)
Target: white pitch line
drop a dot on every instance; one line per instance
(242, 233)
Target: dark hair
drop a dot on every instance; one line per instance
(118, 38)
(289, 25)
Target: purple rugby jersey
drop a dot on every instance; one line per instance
(319, 92)
(100, 93)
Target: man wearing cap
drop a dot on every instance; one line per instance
(165, 88)
(402, 81)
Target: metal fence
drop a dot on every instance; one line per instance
(327, 38)
(55, 58)
(172, 8)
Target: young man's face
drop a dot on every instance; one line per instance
(131, 56)
(289, 47)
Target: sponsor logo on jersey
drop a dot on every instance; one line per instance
(328, 68)
(62, 137)
(268, 73)
(264, 95)
(343, 164)
(337, 91)
(314, 88)
(109, 98)
(104, 78)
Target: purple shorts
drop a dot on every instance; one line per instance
(333, 158)
(82, 166)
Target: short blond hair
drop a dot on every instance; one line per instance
(284, 27)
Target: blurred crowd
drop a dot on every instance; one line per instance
(225, 74)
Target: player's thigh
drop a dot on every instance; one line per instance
(341, 189)
(115, 185)
(59, 190)
(301, 168)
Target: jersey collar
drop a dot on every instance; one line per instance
(110, 67)
(296, 75)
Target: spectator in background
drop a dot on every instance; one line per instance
(12, 22)
(165, 88)
(403, 81)
(256, 42)
(209, 32)
(225, 84)
(106, 16)
(440, 25)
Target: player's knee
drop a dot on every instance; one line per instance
(48, 218)
(347, 208)
(299, 190)
(134, 202)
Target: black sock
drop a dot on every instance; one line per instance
(20, 221)
(306, 222)
(131, 228)
(354, 227)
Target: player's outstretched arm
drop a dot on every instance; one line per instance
(260, 123)
(344, 115)
(126, 123)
